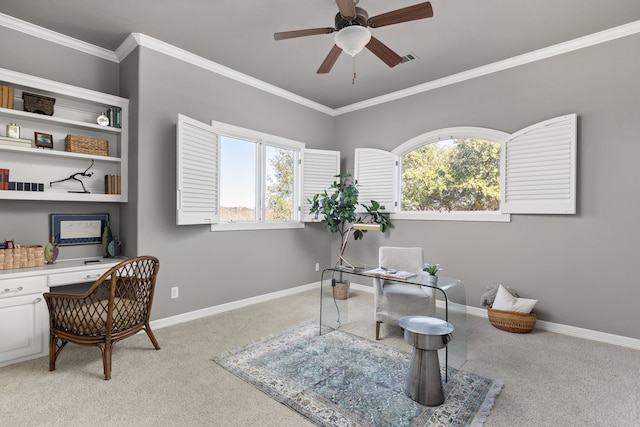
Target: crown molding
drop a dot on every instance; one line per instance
(137, 39)
(198, 61)
(51, 36)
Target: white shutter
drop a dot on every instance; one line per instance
(377, 174)
(319, 170)
(538, 168)
(197, 158)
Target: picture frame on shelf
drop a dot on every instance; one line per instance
(77, 229)
(43, 140)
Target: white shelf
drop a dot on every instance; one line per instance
(57, 153)
(75, 112)
(41, 118)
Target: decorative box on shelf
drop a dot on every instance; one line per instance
(86, 145)
(38, 103)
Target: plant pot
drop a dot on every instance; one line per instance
(341, 290)
(433, 279)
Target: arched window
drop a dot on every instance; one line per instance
(455, 174)
(451, 173)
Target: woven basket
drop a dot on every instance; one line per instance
(86, 145)
(510, 321)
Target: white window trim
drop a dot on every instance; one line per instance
(431, 137)
(261, 139)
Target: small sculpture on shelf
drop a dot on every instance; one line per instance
(74, 177)
(106, 239)
(51, 251)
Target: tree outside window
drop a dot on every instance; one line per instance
(458, 174)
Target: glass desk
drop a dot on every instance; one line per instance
(451, 305)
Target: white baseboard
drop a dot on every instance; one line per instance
(474, 311)
(209, 311)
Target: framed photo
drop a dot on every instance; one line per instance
(77, 229)
(44, 140)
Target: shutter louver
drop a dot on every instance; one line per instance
(198, 154)
(376, 173)
(320, 168)
(539, 168)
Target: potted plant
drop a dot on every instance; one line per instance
(338, 210)
(432, 271)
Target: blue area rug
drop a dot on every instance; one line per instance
(339, 379)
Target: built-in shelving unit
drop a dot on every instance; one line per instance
(75, 113)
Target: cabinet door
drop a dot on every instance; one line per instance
(23, 326)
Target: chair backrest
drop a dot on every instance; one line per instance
(118, 301)
(401, 258)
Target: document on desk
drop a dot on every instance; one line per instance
(389, 274)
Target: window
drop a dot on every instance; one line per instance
(238, 179)
(476, 174)
(454, 174)
(247, 166)
(258, 176)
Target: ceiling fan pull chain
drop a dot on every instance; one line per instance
(353, 80)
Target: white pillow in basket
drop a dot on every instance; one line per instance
(506, 302)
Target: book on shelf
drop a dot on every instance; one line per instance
(4, 179)
(16, 142)
(112, 184)
(115, 117)
(6, 97)
(388, 273)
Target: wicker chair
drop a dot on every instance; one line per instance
(117, 306)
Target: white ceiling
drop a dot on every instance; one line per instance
(462, 35)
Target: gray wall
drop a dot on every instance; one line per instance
(583, 268)
(212, 268)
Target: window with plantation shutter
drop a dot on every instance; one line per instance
(539, 168)
(377, 174)
(285, 176)
(319, 170)
(197, 157)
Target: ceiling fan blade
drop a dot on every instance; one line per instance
(410, 13)
(347, 8)
(331, 59)
(302, 33)
(381, 50)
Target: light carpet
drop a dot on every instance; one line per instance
(339, 379)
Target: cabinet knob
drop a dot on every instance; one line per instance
(37, 300)
(7, 290)
(92, 276)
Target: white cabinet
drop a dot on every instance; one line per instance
(75, 113)
(24, 318)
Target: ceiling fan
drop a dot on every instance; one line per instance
(351, 25)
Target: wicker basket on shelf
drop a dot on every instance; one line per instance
(86, 145)
(511, 321)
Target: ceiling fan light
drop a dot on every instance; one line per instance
(353, 39)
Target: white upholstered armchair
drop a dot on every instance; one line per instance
(394, 300)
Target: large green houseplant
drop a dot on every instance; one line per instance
(337, 208)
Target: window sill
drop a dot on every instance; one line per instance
(479, 216)
(246, 226)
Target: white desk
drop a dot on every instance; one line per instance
(24, 318)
